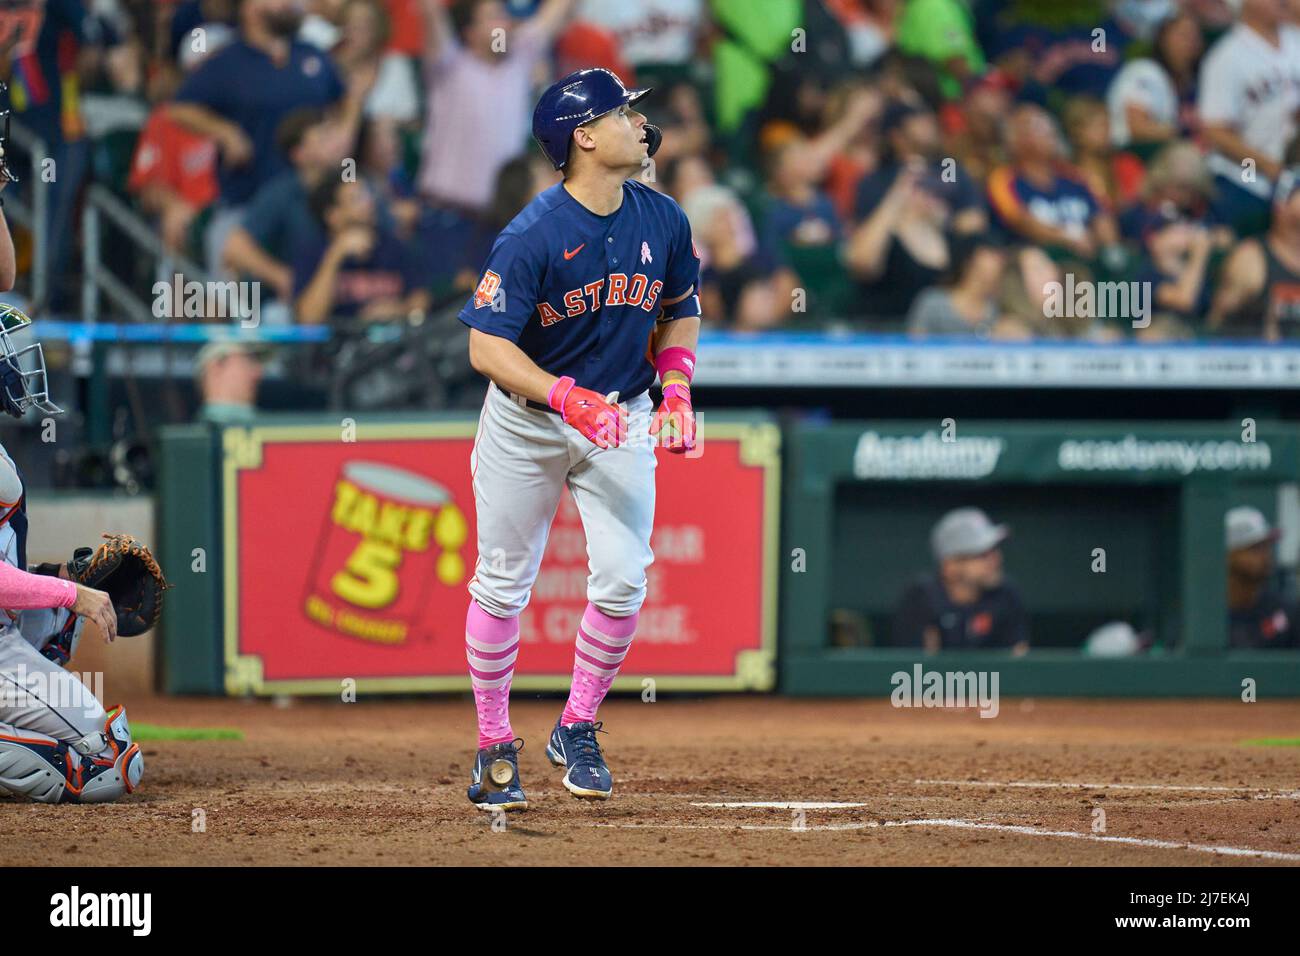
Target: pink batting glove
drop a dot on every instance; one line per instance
(675, 414)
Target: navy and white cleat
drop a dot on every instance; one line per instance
(494, 783)
(575, 748)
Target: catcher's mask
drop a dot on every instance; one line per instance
(22, 370)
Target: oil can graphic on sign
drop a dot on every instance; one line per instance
(389, 537)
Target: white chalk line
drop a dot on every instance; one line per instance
(974, 825)
(1259, 793)
(782, 805)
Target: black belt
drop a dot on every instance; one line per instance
(519, 399)
(540, 406)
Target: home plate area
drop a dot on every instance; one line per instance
(705, 781)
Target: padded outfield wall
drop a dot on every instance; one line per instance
(813, 528)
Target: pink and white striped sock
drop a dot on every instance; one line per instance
(491, 646)
(603, 642)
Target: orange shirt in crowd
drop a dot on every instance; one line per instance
(171, 156)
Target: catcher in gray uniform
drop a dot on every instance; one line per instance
(57, 742)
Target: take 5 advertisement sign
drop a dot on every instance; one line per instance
(347, 556)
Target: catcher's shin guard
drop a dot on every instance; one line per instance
(98, 768)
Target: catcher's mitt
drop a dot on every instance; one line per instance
(126, 570)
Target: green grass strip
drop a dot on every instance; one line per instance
(1273, 742)
(159, 732)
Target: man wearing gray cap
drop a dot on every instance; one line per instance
(1258, 617)
(964, 603)
(227, 374)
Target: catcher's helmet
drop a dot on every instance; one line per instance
(577, 99)
(23, 383)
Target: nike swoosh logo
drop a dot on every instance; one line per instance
(569, 255)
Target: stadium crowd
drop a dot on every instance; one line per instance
(922, 166)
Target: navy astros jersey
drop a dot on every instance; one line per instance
(580, 293)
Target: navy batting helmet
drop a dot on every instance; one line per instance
(580, 98)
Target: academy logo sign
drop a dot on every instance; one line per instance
(926, 456)
(1133, 454)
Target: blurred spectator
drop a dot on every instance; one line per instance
(1039, 199)
(203, 26)
(1052, 48)
(1153, 100)
(871, 26)
(452, 248)
(654, 33)
(1142, 19)
(111, 73)
(1177, 233)
(583, 45)
(906, 209)
(965, 603)
(1029, 274)
(686, 175)
(228, 374)
(1178, 187)
(174, 171)
(379, 163)
(741, 284)
(1258, 617)
(478, 71)
(279, 221)
(239, 96)
(1259, 285)
(363, 49)
(1112, 175)
(902, 77)
(965, 302)
(360, 270)
(679, 113)
(796, 212)
(860, 154)
(974, 127)
(943, 32)
(322, 23)
(391, 107)
(1249, 96)
(44, 93)
(1179, 255)
(519, 182)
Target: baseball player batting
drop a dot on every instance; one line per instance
(587, 296)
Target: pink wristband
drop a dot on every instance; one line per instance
(675, 358)
(559, 392)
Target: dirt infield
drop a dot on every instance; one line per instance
(852, 782)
